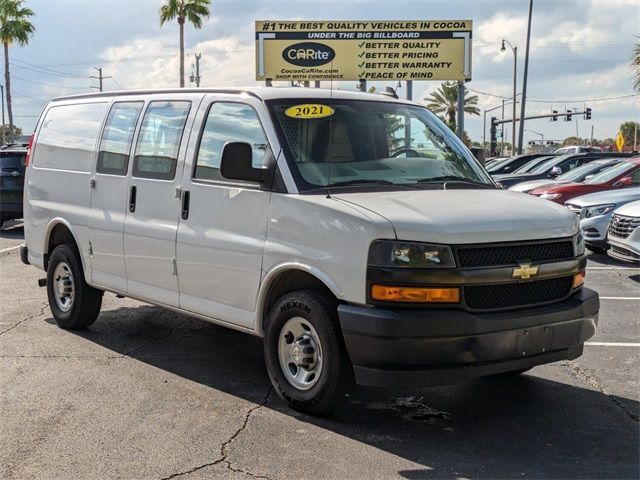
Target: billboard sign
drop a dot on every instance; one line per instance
(371, 50)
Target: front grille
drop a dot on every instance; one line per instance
(623, 252)
(497, 254)
(622, 226)
(509, 295)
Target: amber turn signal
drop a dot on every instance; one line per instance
(389, 293)
(578, 279)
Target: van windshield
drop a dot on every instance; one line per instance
(360, 142)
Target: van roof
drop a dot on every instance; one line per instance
(264, 93)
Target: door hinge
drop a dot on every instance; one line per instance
(175, 267)
(92, 183)
(90, 250)
(178, 192)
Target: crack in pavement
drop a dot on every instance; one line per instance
(579, 373)
(39, 314)
(224, 448)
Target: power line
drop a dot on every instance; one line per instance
(117, 84)
(49, 84)
(554, 100)
(25, 65)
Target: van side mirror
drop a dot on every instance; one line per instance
(478, 152)
(555, 171)
(237, 163)
(624, 182)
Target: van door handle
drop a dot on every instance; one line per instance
(132, 198)
(185, 204)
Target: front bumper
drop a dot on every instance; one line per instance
(626, 250)
(594, 230)
(413, 348)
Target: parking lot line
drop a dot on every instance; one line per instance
(613, 344)
(619, 298)
(612, 268)
(9, 249)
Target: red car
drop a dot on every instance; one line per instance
(625, 174)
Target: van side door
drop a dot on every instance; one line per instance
(109, 196)
(153, 204)
(223, 223)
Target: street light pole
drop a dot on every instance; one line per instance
(524, 79)
(515, 73)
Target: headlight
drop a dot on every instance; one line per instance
(598, 210)
(390, 253)
(578, 244)
(550, 196)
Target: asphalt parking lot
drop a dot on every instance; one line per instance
(146, 393)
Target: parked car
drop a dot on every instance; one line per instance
(12, 168)
(493, 160)
(285, 213)
(553, 168)
(595, 210)
(624, 233)
(577, 149)
(576, 175)
(511, 164)
(623, 175)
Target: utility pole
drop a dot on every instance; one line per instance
(196, 78)
(100, 78)
(460, 120)
(524, 80)
(2, 89)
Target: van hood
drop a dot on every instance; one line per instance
(466, 216)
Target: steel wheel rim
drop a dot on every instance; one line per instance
(64, 287)
(300, 353)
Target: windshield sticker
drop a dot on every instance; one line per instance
(309, 110)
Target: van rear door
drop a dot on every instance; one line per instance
(153, 208)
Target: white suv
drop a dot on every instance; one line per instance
(352, 231)
(624, 233)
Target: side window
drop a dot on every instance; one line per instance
(68, 136)
(115, 146)
(635, 178)
(228, 122)
(159, 140)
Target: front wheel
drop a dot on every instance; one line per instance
(74, 304)
(305, 354)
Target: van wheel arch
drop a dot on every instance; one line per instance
(60, 235)
(286, 282)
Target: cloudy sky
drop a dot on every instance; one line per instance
(580, 51)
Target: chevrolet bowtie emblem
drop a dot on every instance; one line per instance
(524, 271)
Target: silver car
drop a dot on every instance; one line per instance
(595, 211)
(624, 233)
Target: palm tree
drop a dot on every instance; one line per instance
(15, 27)
(195, 11)
(635, 65)
(445, 101)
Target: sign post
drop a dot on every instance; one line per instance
(363, 50)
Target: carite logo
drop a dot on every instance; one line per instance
(308, 54)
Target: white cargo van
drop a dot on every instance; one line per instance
(352, 231)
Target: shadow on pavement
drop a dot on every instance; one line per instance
(487, 428)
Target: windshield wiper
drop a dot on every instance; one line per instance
(360, 181)
(454, 178)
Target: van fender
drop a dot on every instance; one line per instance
(275, 272)
(53, 223)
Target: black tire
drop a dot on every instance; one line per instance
(599, 250)
(87, 300)
(335, 379)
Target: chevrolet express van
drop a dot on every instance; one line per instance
(352, 231)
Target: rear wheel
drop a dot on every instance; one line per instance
(74, 304)
(305, 354)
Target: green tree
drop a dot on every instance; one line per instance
(572, 141)
(628, 129)
(5, 132)
(444, 101)
(15, 28)
(194, 11)
(635, 65)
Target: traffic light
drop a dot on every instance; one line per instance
(554, 118)
(567, 117)
(587, 113)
